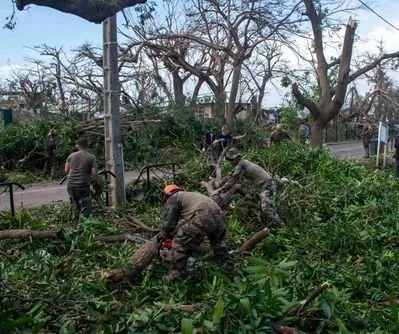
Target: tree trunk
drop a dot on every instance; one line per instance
(178, 83)
(197, 88)
(220, 103)
(318, 127)
(233, 95)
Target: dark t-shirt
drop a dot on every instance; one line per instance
(278, 136)
(50, 146)
(225, 140)
(81, 163)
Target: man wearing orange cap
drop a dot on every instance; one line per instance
(201, 218)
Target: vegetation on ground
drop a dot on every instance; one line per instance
(341, 227)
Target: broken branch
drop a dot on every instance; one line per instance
(310, 297)
(121, 238)
(29, 234)
(250, 244)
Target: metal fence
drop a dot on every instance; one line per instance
(337, 131)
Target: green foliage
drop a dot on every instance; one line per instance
(341, 227)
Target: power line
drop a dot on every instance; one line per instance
(386, 21)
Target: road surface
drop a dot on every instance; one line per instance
(45, 193)
(41, 194)
(346, 149)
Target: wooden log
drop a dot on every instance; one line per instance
(147, 252)
(250, 244)
(137, 263)
(310, 297)
(30, 234)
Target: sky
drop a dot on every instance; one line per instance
(41, 25)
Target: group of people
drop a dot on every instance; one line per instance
(189, 217)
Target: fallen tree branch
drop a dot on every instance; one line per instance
(278, 329)
(29, 234)
(147, 252)
(250, 244)
(140, 225)
(137, 263)
(309, 298)
(121, 238)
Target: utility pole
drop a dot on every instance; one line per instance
(112, 125)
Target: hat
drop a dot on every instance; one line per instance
(232, 153)
(170, 189)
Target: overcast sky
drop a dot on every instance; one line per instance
(41, 25)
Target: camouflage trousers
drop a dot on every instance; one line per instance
(80, 197)
(266, 202)
(189, 237)
(366, 145)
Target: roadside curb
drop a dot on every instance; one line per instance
(342, 142)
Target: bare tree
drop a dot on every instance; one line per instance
(223, 35)
(260, 70)
(36, 86)
(332, 89)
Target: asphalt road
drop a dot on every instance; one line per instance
(346, 149)
(40, 194)
(45, 193)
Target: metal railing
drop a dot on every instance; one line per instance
(11, 191)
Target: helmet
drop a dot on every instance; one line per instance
(232, 153)
(169, 190)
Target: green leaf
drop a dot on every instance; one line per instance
(218, 313)
(286, 264)
(187, 326)
(326, 309)
(341, 326)
(246, 305)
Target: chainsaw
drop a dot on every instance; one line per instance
(165, 250)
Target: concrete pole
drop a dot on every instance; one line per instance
(112, 126)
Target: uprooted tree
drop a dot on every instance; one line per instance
(332, 89)
(94, 11)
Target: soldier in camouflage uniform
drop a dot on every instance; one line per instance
(201, 217)
(79, 167)
(248, 170)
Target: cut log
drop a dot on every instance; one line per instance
(286, 330)
(255, 239)
(147, 252)
(137, 263)
(30, 234)
(310, 297)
